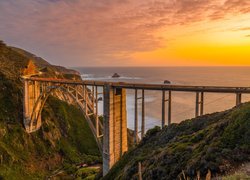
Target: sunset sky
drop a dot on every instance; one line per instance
(130, 32)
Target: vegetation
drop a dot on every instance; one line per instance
(87, 173)
(217, 142)
(236, 176)
(64, 139)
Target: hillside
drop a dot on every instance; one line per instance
(219, 143)
(64, 139)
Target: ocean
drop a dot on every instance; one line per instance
(183, 103)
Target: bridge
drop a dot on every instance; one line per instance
(111, 132)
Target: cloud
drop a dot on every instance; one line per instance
(233, 7)
(102, 32)
(242, 29)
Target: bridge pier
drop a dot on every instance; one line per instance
(136, 122)
(115, 126)
(136, 139)
(96, 112)
(238, 99)
(164, 100)
(31, 106)
(199, 104)
(142, 114)
(26, 116)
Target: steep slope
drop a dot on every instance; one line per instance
(218, 142)
(64, 138)
(40, 62)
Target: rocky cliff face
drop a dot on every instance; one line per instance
(64, 139)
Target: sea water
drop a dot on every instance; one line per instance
(183, 103)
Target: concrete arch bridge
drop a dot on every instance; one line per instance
(111, 133)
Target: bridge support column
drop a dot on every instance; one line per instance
(37, 92)
(143, 114)
(115, 126)
(164, 100)
(136, 139)
(31, 107)
(238, 99)
(199, 104)
(26, 114)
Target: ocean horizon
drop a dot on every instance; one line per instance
(183, 103)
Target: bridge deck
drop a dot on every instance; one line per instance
(114, 111)
(211, 89)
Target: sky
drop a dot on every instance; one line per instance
(130, 32)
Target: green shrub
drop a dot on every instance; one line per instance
(153, 131)
(218, 142)
(87, 173)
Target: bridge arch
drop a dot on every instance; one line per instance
(113, 129)
(35, 117)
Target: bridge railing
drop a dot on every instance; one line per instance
(166, 100)
(87, 94)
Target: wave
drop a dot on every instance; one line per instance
(93, 77)
(87, 75)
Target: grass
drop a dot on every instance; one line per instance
(236, 176)
(217, 142)
(86, 173)
(25, 155)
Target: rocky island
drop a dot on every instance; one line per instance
(115, 75)
(167, 82)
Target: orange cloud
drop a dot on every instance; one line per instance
(116, 32)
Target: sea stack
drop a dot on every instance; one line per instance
(115, 75)
(167, 82)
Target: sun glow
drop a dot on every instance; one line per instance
(222, 43)
(131, 33)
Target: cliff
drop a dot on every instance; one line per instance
(64, 139)
(217, 144)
